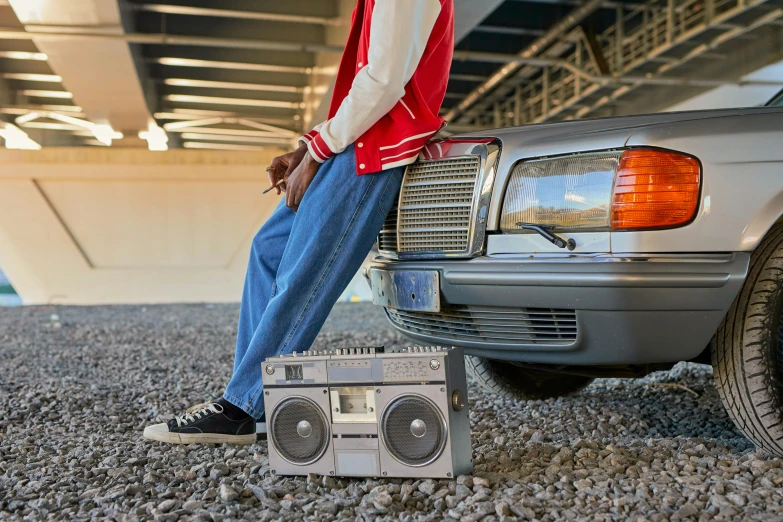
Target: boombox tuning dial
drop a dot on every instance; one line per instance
(457, 400)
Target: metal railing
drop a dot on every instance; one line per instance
(580, 65)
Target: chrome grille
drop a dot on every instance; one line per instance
(493, 324)
(435, 206)
(387, 239)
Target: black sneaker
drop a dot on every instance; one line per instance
(212, 422)
(261, 427)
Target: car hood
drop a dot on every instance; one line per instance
(595, 134)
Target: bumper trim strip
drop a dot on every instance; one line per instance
(570, 279)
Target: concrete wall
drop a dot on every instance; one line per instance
(89, 225)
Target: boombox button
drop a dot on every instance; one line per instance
(434, 364)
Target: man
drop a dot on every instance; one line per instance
(339, 186)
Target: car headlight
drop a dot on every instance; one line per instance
(614, 190)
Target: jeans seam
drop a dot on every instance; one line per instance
(326, 268)
(383, 193)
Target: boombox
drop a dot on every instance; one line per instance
(368, 413)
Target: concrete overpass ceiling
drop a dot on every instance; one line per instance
(532, 61)
(517, 61)
(224, 78)
(27, 82)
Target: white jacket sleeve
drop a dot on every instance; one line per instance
(398, 36)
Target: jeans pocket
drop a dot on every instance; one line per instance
(390, 191)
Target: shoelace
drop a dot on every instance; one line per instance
(197, 407)
(196, 412)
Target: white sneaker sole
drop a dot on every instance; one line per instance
(161, 433)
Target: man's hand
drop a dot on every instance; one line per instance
(282, 167)
(298, 181)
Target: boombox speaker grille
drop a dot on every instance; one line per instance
(299, 430)
(413, 430)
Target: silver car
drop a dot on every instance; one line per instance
(562, 252)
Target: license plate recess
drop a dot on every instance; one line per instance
(410, 290)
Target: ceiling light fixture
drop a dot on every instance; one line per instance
(215, 100)
(156, 138)
(103, 132)
(36, 93)
(204, 126)
(184, 82)
(241, 139)
(219, 146)
(215, 64)
(24, 55)
(28, 77)
(16, 138)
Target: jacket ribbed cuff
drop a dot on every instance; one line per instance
(307, 138)
(318, 148)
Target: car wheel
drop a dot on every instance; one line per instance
(747, 355)
(515, 382)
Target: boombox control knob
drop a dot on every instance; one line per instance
(270, 369)
(457, 400)
(434, 364)
(304, 429)
(418, 428)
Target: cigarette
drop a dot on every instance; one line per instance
(275, 185)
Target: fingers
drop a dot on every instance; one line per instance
(292, 199)
(289, 200)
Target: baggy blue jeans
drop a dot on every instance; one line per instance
(301, 262)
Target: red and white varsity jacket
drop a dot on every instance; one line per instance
(390, 85)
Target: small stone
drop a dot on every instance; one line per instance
(736, 499)
(327, 507)
(218, 470)
(227, 493)
(167, 505)
(382, 499)
(192, 505)
(427, 487)
(502, 509)
(133, 489)
(480, 481)
(522, 511)
(687, 510)
(465, 480)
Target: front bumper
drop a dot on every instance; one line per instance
(632, 309)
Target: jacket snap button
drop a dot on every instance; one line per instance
(361, 166)
(360, 144)
(360, 64)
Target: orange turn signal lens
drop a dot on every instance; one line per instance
(655, 189)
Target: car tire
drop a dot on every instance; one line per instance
(516, 382)
(747, 353)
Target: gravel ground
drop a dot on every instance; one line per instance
(77, 386)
